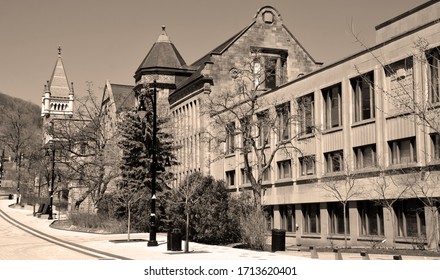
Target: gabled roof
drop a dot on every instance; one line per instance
(120, 97)
(124, 97)
(163, 55)
(59, 84)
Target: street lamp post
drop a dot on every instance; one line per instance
(141, 111)
(52, 150)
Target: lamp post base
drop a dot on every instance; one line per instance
(152, 243)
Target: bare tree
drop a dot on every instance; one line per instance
(424, 186)
(87, 149)
(20, 130)
(343, 188)
(262, 123)
(387, 190)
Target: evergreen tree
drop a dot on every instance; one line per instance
(137, 149)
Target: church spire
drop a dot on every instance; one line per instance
(58, 93)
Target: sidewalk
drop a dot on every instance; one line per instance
(138, 250)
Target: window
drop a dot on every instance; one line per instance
(334, 161)
(230, 178)
(336, 218)
(435, 146)
(266, 174)
(230, 138)
(363, 97)
(287, 213)
(306, 114)
(270, 72)
(365, 156)
(434, 75)
(402, 151)
(244, 177)
(284, 169)
(410, 218)
(307, 165)
(283, 116)
(311, 218)
(263, 128)
(270, 67)
(399, 85)
(268, 215)
(371, 218)
(332, 106)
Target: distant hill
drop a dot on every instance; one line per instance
(33, 111)
(9, 102)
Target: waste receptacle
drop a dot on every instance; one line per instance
(278, 240)
(175, 241)
(169, 240)
(10, 196)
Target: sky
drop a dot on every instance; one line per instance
(108, 39)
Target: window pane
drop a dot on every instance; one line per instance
(334, 107)
(270, 72)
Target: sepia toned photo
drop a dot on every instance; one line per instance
(258, 136)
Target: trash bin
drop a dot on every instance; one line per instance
(10, 196)
(176, 240)
(169, 240)
(278, 240)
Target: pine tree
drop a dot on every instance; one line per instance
(134, 186)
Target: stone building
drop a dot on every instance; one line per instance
(352, 131)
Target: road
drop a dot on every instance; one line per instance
(16, 243)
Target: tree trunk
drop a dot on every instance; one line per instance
(128, 222)
(187, 232)
(344, 211)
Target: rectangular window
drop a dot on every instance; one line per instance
(410, 218)
(283, 116)
(312, 219)
(334, 161)
(399, 86)
(365, 156)
(435, 146)
(270, 72)
(332, 106)
(244, 177)
(230, 178)
(268, 215)
(363, 97)
(307, 165)
(433, 58)
(266, 175)
(230, 138)
(306, 107)
(284, 169)
(270, 67)
(371, 218)
(263, 123)
(336, 218)
(287, 213)
(402, 151)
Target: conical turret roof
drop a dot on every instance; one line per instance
(162, 56)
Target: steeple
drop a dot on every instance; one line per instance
(58, 93)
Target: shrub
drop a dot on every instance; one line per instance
(95, 222)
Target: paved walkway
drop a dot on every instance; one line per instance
(136, 250)
(139, 250)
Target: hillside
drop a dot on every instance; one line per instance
(9, 104)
